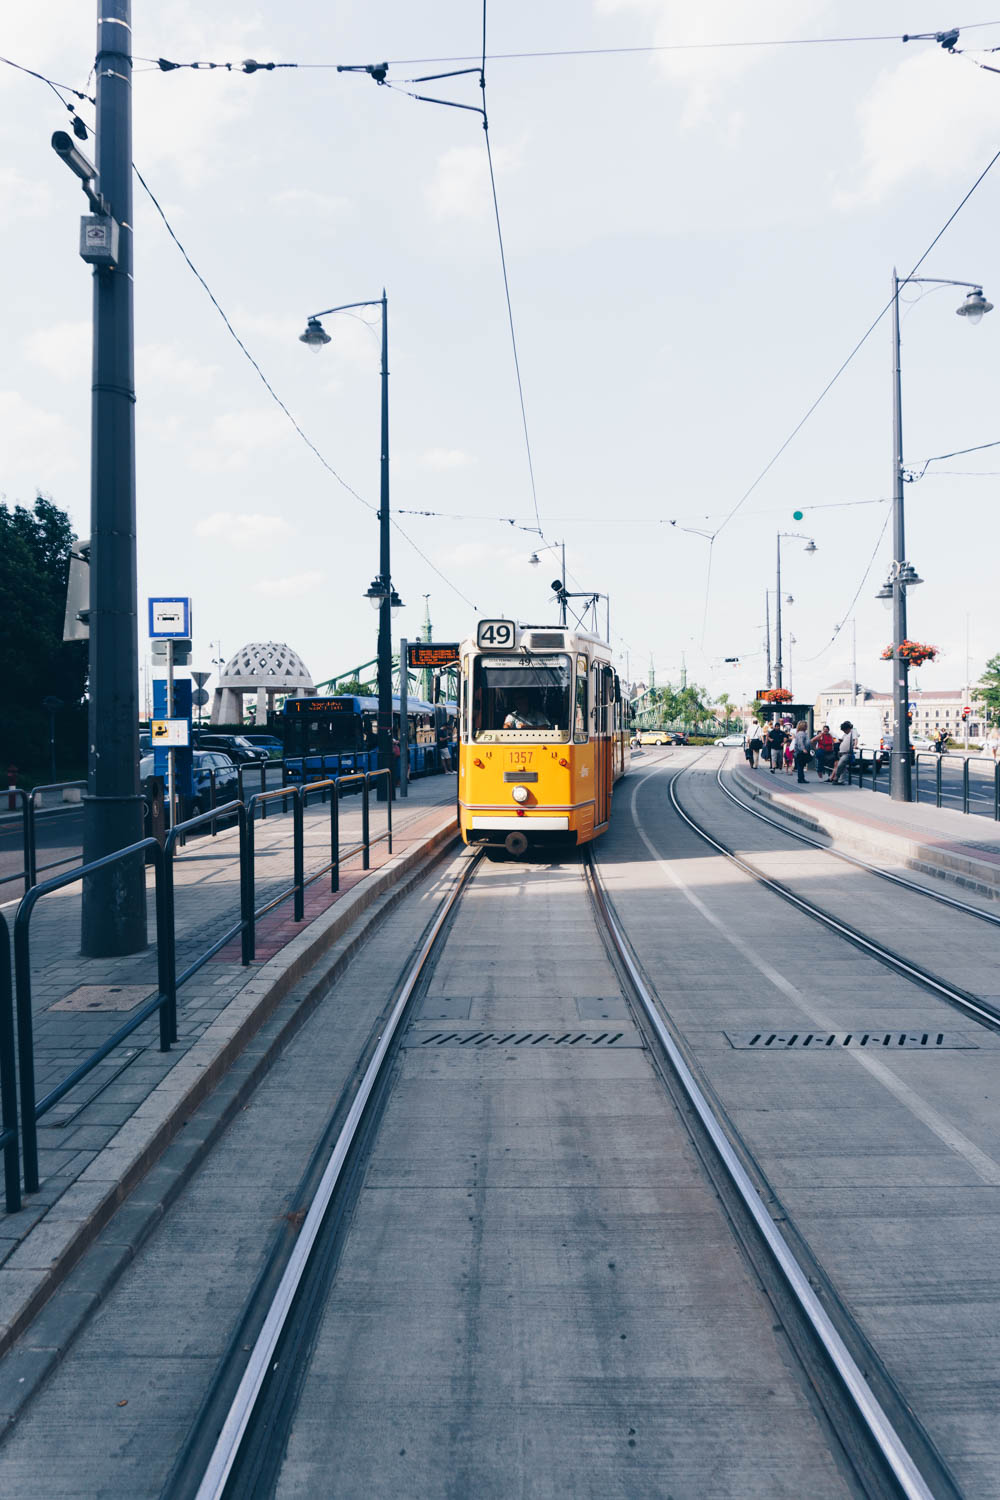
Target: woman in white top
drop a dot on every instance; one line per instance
(993, 742)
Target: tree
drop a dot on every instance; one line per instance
(989, 689)
(35, 662)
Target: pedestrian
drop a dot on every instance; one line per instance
(845, 751)
(824, 745)
(774, 740)
(788, 753)
(801, 750)
(885, 749)
(941, 740)
(993, 742)
(755, 744)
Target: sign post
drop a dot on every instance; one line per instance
(170, 621)
(404, 732)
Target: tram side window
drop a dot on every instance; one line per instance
(513, 698)
(580, 720)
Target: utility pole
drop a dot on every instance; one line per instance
(767, 632)
(777, 634)
(854, 661)
(900, 784)
(385, 757)
(114, 899)
(426, 684)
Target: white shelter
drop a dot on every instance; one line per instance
(265, 668)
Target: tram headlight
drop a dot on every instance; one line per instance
(520, 793)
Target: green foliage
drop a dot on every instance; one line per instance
(35, 662)
(352, 686)
(989, 685)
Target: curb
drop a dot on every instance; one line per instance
(945, 862)
(275, 1001)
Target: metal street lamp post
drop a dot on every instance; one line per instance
(381, 592)
(903, 574)
(809, 548)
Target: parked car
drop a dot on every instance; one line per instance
(678, 737)
(730, 741)
(268, 742)
(236, 746)
(651, 737)
(227, 778)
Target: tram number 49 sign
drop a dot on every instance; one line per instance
(496, 634)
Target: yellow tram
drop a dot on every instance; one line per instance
(542, 736)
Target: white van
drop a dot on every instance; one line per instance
(869, 726)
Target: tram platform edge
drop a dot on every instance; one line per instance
(72, 1247)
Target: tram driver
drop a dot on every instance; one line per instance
(525, 714)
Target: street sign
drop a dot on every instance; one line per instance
(199, 698)
(170, 619)
(200, 678)
(497, 634)
(432, 654)
(171, 732)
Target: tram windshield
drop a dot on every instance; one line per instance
(525, 696)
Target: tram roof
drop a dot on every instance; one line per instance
(571, 640)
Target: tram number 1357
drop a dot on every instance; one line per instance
(495, 633)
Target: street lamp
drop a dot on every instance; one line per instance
(558, 585)
(903, 575)
(381, 593)
(809, 548)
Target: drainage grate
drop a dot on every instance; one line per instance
(526, 1040)
(818, 1041)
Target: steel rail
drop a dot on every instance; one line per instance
(869, 1409)
(854, 859)
(234, 1428)
(969, 1004)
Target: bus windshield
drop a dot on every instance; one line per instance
(521, 697)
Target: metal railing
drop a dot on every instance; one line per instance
(30, 813)
(8, 1080)
(965, 794)
(17, 1058)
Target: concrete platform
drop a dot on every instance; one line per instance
(100, 1142)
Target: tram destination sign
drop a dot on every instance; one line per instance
(432, 653)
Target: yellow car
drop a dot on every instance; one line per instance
(653, 737)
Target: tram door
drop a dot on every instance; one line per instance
(604, 708)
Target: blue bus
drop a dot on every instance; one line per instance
(337, 736)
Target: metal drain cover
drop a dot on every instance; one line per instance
(526, 1040)
(831, 1041)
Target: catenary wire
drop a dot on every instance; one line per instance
(847, 612)
(863, 340)
(164, 65)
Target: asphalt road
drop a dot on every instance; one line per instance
(58, 837)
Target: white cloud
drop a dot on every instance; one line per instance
(311, 204)
(243, 529)
(168, 363)
(30, 437)
(706, 70)
(237, 436)
(460, 187)
(931, 116)
(283, 588)
(444, 458)
(23, 198)
(63, 350)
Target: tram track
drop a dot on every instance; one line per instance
(966, 1003)
(252, 1431)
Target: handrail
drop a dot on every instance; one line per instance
(17, 1065)
(27, 873)
(8, 1080)
(32, 1110)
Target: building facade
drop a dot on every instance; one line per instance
(931, 710)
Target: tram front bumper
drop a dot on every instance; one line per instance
(507, 822)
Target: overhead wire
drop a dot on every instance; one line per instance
(864, 579)
(251, 66)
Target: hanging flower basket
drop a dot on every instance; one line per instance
(913, 652)
(775, 695)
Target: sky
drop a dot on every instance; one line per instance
(695, 241)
